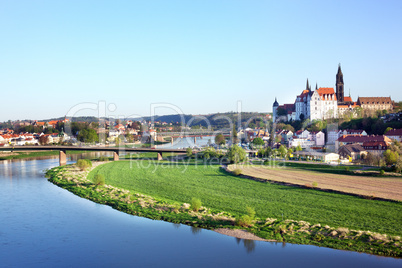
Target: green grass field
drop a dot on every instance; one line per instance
(146, 155)
(222, 191)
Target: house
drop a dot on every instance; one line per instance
(302, 142)
(394, 134)
(303, 134)
(333, 135)
(352, 132)
(361, 139)
(53, 123)
(286, 134)
(114, 132)
(318, 137)
(318, 156)
(376, 147)
(352, 151)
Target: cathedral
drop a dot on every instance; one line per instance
(322, 103)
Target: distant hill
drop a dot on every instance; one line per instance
(216, 120)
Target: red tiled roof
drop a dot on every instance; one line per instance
(53, 122)
(363, 138)
(375, 100)
(394, 132)
(348, 99)
(326, 91)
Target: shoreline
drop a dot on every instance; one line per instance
(242, 234)
(270, 230)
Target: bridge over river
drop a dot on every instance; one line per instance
(116, 150)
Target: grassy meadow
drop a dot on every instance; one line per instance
(219, 190)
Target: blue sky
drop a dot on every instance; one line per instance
(201, 56)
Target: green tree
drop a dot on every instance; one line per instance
(130, 138)
(88, 135)
(220, 139)
(398, 165)
(268, 152)
(234, 135)
(258, 142)
(195, 204)
(390, 157)
(282, 151)
(387, 129)
(189, 152)
(236, 154)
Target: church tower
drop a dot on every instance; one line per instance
(339, 85)
(274, 110)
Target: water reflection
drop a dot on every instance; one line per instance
(249, 245)
(195, 230)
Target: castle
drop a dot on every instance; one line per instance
(326, 103)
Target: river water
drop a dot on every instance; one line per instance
(42, 225)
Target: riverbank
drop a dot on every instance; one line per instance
(32, 154)
(173, 210)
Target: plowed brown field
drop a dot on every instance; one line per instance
(388, 188)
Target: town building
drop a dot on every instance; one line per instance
(326, 102)
(367, 141)
(394, 134)
(352, 152)
(318, 156)
(375, 103)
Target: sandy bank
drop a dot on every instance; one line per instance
(243, 234)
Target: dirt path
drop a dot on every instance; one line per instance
(388, 188)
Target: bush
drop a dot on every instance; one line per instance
(99, 179)
(250, 212)
(195, 204)
(246, 220)
(104, 158)
(83, 164)
(382, 172)
(189, 152)
(237, 172)
(236, 154)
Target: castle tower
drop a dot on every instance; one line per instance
(308, 87)
(274, 108)
(339, 85)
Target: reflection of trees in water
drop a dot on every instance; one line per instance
(195, 230)
(249, 245)
(176, 225)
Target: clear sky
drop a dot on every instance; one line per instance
(201, 56)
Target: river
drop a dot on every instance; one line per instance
(42, 225)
